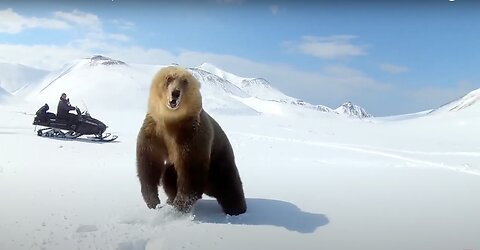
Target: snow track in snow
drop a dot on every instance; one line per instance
(389, 153)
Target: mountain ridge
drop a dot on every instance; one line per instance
(262, 89)
(466, 101)
(352, 110)
(14, 77)
(224, 87)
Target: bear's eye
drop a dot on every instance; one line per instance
(184, 82)
(169, 79)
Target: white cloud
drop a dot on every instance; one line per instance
(431, 94)
(118, 37)
(351, 78)
(95, 33)
(392, 68)
(12, 22)
(41, 56)
(331, 47)
(80, 18)
(124, 25)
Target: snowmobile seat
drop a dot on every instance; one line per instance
(61, 121)
(51, 116)
(41, 114)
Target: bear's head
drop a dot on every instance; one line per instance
(174, 93)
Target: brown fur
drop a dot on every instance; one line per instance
(184, 149)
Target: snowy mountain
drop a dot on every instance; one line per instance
(262, 89)
(98, 78)
(352, 110)
(96, 81)
(219, 94)
(213, 83)
(3, 94)
(323, 108)
(103, 60)
(255, 87)
(471, 99)
(14, 77)
(102, 81)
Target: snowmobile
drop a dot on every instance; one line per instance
(61, 128)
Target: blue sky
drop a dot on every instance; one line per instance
(391, 58)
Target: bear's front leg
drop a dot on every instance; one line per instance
(190, 186)
(149, 177)
(150, 196)
(184, 202)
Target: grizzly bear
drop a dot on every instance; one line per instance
(181, 147)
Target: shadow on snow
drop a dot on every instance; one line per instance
(79, 139)
(261, 212)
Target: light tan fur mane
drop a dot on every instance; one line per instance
(191, 104)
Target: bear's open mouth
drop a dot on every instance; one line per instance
(174, 99)
(173, 104)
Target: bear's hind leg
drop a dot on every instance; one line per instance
(226, 186)
(232, 200)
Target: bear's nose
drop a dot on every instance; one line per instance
(176, 94)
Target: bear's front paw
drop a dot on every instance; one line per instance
(184, 204)
(152, 202)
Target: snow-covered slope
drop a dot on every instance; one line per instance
(263, 90)
(96, 81)
(213, 83)
(220, 95)
(3, 94)
(222, 74)
(103, 60)
(14, 77)
(312, 181)
(352, 110)
(470, 100)
(102, 81)
(255, 87)
(98, 78)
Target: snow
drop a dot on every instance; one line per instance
(254, 87)
(261, 89)
(3, 94)
(461, 103)
(222, 74)
(352, 110)
(313, 180)
(87, 81)
(14, 77)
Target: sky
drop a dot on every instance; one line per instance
(390, 57)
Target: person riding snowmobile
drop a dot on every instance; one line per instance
(63, 110)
